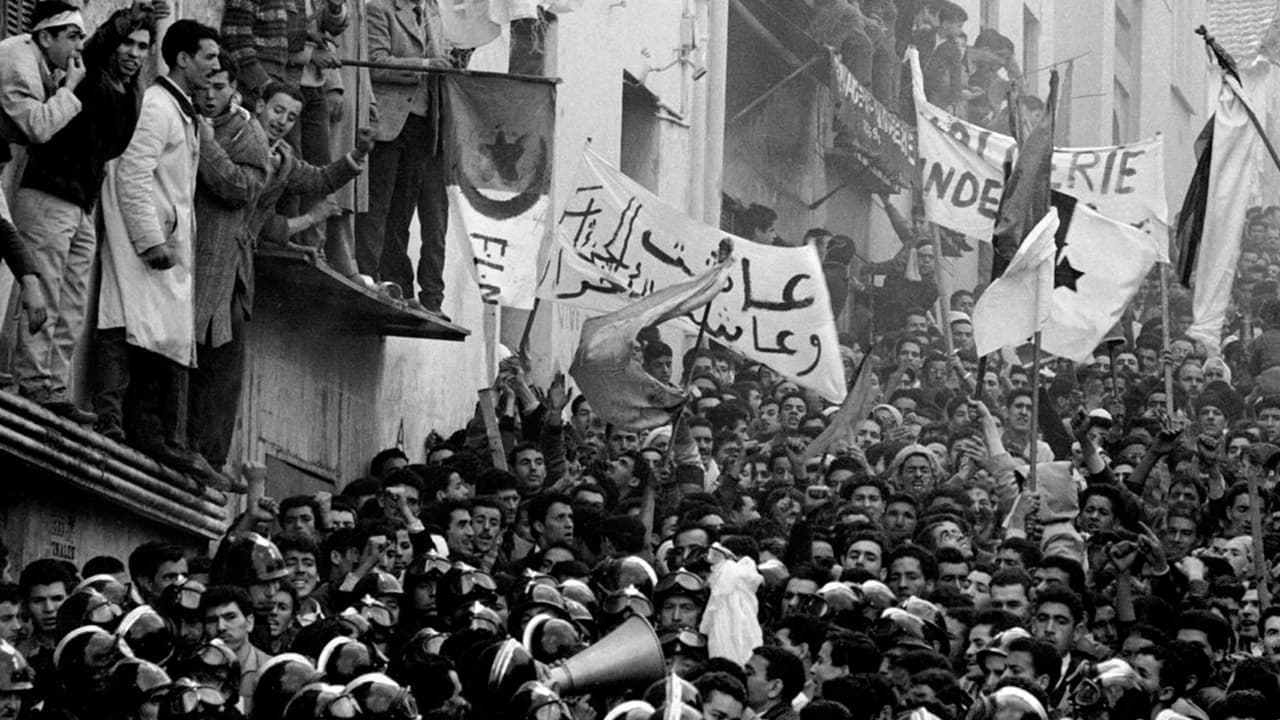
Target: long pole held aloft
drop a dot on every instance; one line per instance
(1164, 331)
(1032, 442)
(942, 303)
(1224, 60)
(1260, 569)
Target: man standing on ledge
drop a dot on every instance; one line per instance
(406, 168)
(146, 315)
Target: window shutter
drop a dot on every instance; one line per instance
(16, 16)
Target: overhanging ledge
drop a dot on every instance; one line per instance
(311, 291)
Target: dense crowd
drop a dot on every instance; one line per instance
(746, 560)
(906, 567)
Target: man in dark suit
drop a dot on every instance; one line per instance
(406, 168)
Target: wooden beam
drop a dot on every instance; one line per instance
(765, 34)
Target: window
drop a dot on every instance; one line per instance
(16, 13)
(1124, 34)
(1030, 44)
(1121, 114)
(989, 13)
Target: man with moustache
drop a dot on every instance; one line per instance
(487, 521)
(146, 336)
(229, 617)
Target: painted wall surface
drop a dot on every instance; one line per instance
(51, 520)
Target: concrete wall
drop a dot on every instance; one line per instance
(40, 519)
(1167, 93)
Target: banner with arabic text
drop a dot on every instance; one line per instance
(617, 241)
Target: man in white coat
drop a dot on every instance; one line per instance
(145, 341)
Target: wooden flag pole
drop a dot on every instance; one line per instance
(1032, 444)
(490, 417)
(943, 303)
(1223, 59)
(351, 62)
(978, 381)
(528, 327)
(1164, 332)
(1259, 553)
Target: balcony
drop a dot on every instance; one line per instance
(869, 145)
(304, 288)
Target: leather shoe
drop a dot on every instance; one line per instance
(67, 409)
(111, 431)
(193, 465)
(432, 307)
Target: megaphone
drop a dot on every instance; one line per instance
(630, 655)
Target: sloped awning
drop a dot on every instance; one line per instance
(65, 452)
(316, 293)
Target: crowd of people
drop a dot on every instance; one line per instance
(779, 563)
(905, 566)
(972, 81)
(247, 140)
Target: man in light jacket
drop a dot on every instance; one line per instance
(57, 193)
(406, 168)
(146, 316)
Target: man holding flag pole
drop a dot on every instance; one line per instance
(1215, 208)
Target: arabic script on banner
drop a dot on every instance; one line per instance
(617, 241)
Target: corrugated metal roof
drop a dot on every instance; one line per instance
(1248, 29)
(121, 475)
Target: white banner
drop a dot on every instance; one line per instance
(618, 241)
(961, 168)
(504, 252)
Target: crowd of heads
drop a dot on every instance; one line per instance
(906, 564)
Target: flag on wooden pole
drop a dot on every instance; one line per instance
(857, 406)
(1026, 200)
(1100, 266)
(1211, 227)
(607, 365)
(1018, 303)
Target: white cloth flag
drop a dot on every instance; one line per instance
(1018, 303)
(1231, 174)
(616, 241)
(961, 168)
(1100, 268)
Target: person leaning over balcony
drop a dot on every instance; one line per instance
(57, 193)
(277, 112)
(216, 387)
(226, 194)
(406, 168)
(146, 339)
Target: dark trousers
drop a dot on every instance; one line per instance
(216, 383)
(406, 174)
(139, 392)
